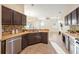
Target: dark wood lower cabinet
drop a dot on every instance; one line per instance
(44, 37)
(24, 41)
(3, 47)
(34, 38)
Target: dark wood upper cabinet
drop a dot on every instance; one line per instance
(74, 17)
(66, 20)
(77, 15)
(11, 17)
(17, 18)
(23, 19)
(6, 16)
(69, 19)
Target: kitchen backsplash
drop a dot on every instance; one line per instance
(9, 28)
(74, 27)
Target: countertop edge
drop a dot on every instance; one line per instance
(17, 34)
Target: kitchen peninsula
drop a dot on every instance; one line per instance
(21, 40)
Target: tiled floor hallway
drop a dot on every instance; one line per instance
(56, 40)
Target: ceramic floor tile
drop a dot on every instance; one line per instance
(54, 37)
(39, 48)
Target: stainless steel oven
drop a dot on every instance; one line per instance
(13, 45)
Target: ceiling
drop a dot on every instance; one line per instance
(48, 10)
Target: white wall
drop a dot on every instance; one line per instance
(17, 7)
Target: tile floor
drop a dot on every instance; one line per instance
(54, 46)
(39, 48)
(56, 40)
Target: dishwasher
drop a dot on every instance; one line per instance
(13, 45)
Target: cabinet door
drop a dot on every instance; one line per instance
(3, 47)
(44, 37)
(17, 18)
(6, 16)
(74, 17)
(69, 19)
(34, 38)
(77, 15)
(66, 20)
(24, 41)
(23, 20)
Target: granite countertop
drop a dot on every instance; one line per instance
(72, 35)
(8, 35)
